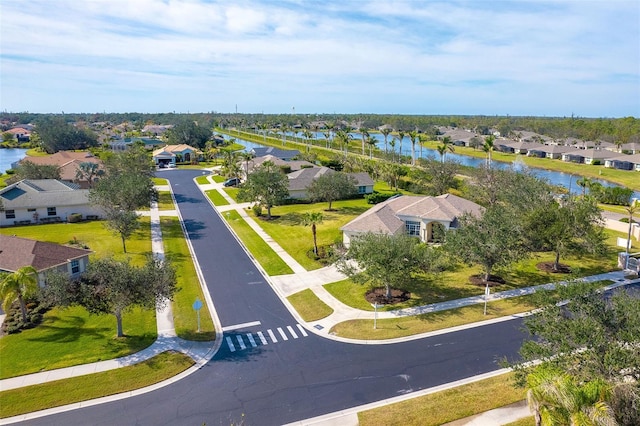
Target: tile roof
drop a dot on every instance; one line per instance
(67, 161)
(16, 252)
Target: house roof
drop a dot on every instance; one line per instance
(302, 178)
(276, 152)
(593, 153)
(179, 148)
(42, 193)
(386, 217)
(635, 158)
(16, 252)
(295, 165)
(18, 131)
(67, 161)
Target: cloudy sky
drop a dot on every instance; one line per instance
(545, 58)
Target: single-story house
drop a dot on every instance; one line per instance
(283, 154)
(624, 162)
(300, 180)
(290, 166)
(588, 156)
(124, 144)
(20, 134)
(68, 163)
(156, 129)
(171, 154)
(549, 151)
(43, 201)
(418, 216)
(16, 253)
(512, 147)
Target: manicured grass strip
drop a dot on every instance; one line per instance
(233, 193)
(216, 198)
(159, 181)
(69, 391)
(259, 249)
(309, 306)
(407, 326)
(165, 202)
(218, 178)
(202, 180)
(527, 421)
(184, 317)
(448, 405)
(72, 336)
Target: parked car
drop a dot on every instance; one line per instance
(232, 182)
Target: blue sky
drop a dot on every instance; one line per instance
(544, 58)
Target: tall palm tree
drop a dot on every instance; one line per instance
(327, 136)
(447, 145)
(307, 135)
(393, 148)
(364, 132)
(488, 147)
(584, 183)
(371, 141)
(400, 138)
(312, 219)
(385, 132)
(631, 209)
(285, 129)
(413, 137)
(343, 138)
(19, 285)
(422, 139)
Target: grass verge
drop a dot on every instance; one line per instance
(62, 392)
(202, 180)
(309, 306)
(216, 198)
(184, 317)
(448, 405)
(159, 181)
(165, 202)
(259, 249)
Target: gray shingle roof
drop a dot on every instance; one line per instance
(42, 193)
(16, 252)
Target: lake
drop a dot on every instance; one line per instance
(566, 180)
(9, 156)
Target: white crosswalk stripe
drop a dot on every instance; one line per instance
(259, 338)
(282, 334)
(293, 333)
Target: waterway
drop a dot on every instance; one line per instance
(566, 180)
(9, 156)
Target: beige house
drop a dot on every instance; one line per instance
(68, 163)
(419, 216)
(16, 252)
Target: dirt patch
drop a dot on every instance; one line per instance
(378, 295)
(548, 267)
(494, 280)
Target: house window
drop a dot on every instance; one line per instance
(362, 190)
(75, 266)
(51, 211)
(31, 210)
(413, 228)
(10, 214)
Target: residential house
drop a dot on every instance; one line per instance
(549, 151)
(512, 147)
(20, 134)
(282, 154)
(301, 179)
(156, 130)
(43, 201)
(286, 166)
(16, 253)
(171, 154)
(624, 162)
(588, 156)
(68, 163)
(126, 143)
(419, 216)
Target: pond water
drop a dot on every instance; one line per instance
(9, 156)
(566, 180)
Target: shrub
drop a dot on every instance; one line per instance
(257, 210)
(74, 218)
(10, 172)
(376, 197)
(596, 162)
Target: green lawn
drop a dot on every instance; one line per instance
(160, 181)
(216, 198)
(68, 391)
(165, 202)
(218, 178)
(309, 306)
(177, 252)
(448, 405)
(288, 231)
(202, 180)
(72, 336)
(259, 249)
(232, 192)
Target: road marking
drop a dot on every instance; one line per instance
(243, 325)
(293, 333)
(230, 343)
(262, 339)
(302, 330)
(284, 336)
(250, 337)
(241, 342)
(273, 336)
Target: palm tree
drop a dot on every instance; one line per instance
(307, 135)
(385, 131)
(313, 218)
(393, 148)
(371, 141)
(421, 141)
(364, 133)
(343, 138)
(19, 285)
(327, 136)
(285, 129)
(447, 145)
(631, 209)
(400, 138)
(488, 147)
(584, 183)
(413, 137)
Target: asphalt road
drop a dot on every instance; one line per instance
(289, 379)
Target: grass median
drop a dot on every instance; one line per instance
(76, 389)
(165, 201)
(309, 306)
(216, 198)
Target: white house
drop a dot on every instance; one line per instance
(43, 201)
(419, 216)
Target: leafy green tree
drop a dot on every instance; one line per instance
(387, 260)
(135, 160)
(570, 226)
(56, 135)
(491, 240)
(89, 172)
(312, 219)
(331, 187)
(230, 163)
(19, 285)
(189, 133)
(440, 176)
(30, 170)
(266, 185)
(123, 223)
(112, 287)
(589, 338)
